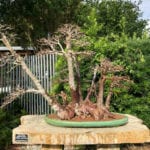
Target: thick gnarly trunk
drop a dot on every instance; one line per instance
(100, 100)
(20, 60)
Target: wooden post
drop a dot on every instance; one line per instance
(108, 147)
(51, 147)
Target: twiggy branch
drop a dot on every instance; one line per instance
(108, 67)
(5, 59)
(116, 81)
(15, 94)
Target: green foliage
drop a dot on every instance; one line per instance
(34, 19)
(129, 104)
(137, 100)
(91, 25)
(131, 52)
(8, 121)
(116, 17)
(120, 16)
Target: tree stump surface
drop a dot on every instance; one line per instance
(35, 131)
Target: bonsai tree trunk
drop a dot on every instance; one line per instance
(77, 77)
(71, 76)
(73, 88)
(108, 98)
(100, 100)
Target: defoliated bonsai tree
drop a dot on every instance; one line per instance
(62, 43)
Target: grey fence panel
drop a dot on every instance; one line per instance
(11, 76)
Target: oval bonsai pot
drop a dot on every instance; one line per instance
(87, 124)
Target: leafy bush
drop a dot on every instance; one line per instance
(8, 121)
(137, 100)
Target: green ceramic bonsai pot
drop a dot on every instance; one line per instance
(87, 124)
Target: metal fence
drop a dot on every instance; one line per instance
(12, 76)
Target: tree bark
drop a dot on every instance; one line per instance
(107, 102)
(73, 88)
(92, 84)
(71, 77)
(78, 78)
(101, 92)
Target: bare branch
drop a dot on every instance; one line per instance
(93, 83)
(7, 31)
(71, 29)
(61, 47)
(20, 60)
(116, 81)
(47, 51)
(64, 97)
(15, 94)
(108, 67)
(5, 58)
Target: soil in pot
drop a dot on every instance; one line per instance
(80, 119)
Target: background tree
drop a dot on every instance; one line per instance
(138, 97)
(33, 19)
(113, 35)
(116, 16)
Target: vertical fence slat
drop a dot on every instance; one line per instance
(43, 68)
